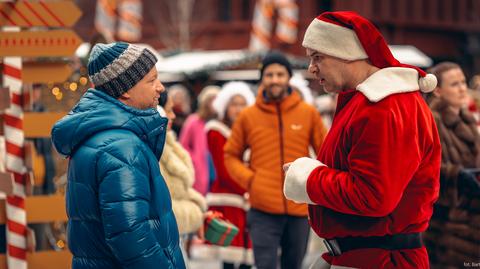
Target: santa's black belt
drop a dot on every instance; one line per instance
(337, 246)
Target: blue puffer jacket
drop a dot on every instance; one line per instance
(118, 205)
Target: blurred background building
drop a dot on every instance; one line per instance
(443, 29)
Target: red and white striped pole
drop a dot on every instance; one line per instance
(262, 26)
(287, 23)
(15, 156)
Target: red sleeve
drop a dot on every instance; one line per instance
(216, 142)
(383, 156)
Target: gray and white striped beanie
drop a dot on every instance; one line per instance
(116, 67)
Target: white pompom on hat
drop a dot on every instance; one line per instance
(349, 36)
(228, 91)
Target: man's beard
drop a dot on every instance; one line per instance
(279, 95)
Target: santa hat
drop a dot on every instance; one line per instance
(349, 36)
(228, 91)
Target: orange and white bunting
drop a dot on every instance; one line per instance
(15, 164)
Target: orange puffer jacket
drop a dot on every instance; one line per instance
(276, 133)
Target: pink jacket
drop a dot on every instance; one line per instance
(194, 139)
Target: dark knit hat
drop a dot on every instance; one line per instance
(275, 58)
(116, 67)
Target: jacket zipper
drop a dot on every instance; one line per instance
(282, 158)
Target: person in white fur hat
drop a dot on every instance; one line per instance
(299, 83)
(226, 196)
(372, 188)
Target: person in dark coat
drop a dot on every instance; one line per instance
(118, 204)
(454, 234)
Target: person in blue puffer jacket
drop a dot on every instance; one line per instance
(118, 205)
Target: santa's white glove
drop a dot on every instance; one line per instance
(297, 172)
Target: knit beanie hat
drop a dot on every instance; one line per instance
(116, 67)
(349, 36)
(228, 91)
(275, 58)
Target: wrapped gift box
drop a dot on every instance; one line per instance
(219, 231)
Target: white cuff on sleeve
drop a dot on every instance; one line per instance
(295, 187)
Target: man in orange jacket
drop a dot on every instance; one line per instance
(278, 128)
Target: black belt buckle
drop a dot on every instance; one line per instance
(332, 247)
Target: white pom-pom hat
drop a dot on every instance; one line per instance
(228, 91)
(299, 82)
(349, 36)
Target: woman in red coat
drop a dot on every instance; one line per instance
(226, 196)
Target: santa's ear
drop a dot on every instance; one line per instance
(436, 92)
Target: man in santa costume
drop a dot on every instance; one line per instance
(371, 190)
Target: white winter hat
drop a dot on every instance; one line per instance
(228, 91)
(301, 84)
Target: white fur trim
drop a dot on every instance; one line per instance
(295, 187)
(229, 254)
(218, 126)
(333, 40)
(428, 83)
(227, 199)
(161, 111)
(388, 81)
(236, 255)
(228, 91)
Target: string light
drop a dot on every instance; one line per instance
(55, 91)
(61, 244)
(73, 86)
(59, 96)
(83, 81)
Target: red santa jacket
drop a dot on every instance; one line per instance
(217, 134)
(378, 170)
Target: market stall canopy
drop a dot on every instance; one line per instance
(410, 55)
(192, 63)
(219, 64)
(230, 64)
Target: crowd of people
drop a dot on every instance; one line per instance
(397, 161)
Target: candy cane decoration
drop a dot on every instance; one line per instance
(287, 23)
(261, 26)
(105, 17)
(130, 19)
(14, 138)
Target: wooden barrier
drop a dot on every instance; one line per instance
(39, 124)
(42, 209)
(49, 259)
